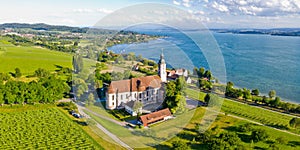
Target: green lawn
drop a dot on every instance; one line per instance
(41, 127)
(28, 59)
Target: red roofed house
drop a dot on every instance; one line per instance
(160, 115)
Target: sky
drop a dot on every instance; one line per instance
(212, 13)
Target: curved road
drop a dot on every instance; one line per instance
(112, 136)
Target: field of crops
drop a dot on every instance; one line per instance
(42, 129)
(257, 114)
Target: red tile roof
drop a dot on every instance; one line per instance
(155, 116)
(135, 84)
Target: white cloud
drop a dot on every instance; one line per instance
(248, 7)
(220, 7)
(105, 11)
(186, 3)
(99, 10)
(176, 3)
(82, 10)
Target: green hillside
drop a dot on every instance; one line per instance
(28, 59)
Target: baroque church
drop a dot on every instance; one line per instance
(148, 90)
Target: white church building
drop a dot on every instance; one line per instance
(146, 89)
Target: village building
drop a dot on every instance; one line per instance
(154, 117)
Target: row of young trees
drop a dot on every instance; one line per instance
(272, 100)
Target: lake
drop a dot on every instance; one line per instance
(251, 61)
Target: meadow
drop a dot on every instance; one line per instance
(41, 127)
(30, 58)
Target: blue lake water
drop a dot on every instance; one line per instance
(252, 61)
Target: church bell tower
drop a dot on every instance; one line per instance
(162, 68)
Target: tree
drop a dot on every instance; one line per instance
(201, 72)
(208, 74)
(195, 71)
(18, 73)
(77, 63)
(207, 98)
(119, 59)
(259, 135)
(131, 56)
(246, 94)
(174, 99)
(1, 98)
(265, 100)
(91, 99)
(255, 92)
(180, 145)
(205, 137)
(295, 122)
(276, 102)
(272, 94)
(127, 74)
(245, 127)
(231, 138)
(4, 77)
(41, 73)
(137, 108)
(229, 89)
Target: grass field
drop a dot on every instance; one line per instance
(28, 59)
(260, 115)
(41, 127)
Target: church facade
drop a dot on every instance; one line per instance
(146, 89)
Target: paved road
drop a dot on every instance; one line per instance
(112, 136)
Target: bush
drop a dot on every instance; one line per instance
(245, 127)
(259, 135)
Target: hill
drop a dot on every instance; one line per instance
(28, 59)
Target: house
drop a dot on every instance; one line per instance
(157, 116)
(148, 89)
(174, 74)
(129, 107)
